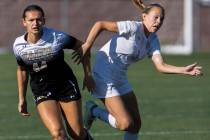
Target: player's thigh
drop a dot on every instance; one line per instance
(133, 108)
(117, 107)
(123, 106)
(131, 103)
(50, 114)
(73, 114)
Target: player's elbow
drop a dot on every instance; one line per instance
(160, 68)
(102, 25)
(99, 24)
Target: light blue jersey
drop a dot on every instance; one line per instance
(126, 47)
(131, 44)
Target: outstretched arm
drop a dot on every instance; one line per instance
(161, 66)
(97, 28)
(22, 79)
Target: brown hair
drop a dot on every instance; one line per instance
(32, 8)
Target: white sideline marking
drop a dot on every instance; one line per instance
(149, 133)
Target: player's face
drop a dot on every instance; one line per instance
(153, 20)
(33, 22)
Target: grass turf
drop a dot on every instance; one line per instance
(173, 107)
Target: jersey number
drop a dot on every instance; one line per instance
(37, 68)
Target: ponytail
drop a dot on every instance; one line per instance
(139, 3)
(146, 8)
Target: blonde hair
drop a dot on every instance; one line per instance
(147, 8)
(139, 4)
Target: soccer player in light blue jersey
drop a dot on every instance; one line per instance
(40, 55)
(132, 41)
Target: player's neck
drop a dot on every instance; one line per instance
(146, 31)
(33, 38)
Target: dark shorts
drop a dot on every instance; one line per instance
(64, 91)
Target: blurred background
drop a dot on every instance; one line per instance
(173, 107)
(76, 17)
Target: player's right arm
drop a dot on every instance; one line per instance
(22, 80)
(97, 28)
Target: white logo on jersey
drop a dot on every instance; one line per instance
(36, 67)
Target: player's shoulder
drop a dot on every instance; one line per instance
(130, 25)
(48, 30)
(50, 33)
(19, 41)
(134, 23)
(19, 44)
(131, 22)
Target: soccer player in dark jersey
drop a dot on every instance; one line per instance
(40, 56)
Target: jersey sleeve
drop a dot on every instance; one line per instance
(66, 41)
(126, 27)
(154, 46)
(17, 56)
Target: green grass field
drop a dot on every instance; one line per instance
(173, 107)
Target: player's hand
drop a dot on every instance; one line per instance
(89, 83)
(22, 108)
(79, 54)
(194, 70)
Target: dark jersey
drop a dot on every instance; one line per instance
(45, 59)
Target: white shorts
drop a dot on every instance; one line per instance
(106, 90)
(110, 80)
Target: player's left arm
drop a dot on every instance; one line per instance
(76, 45)
(161, 66)
(88, 81)
(71, 42)
(86, 63)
